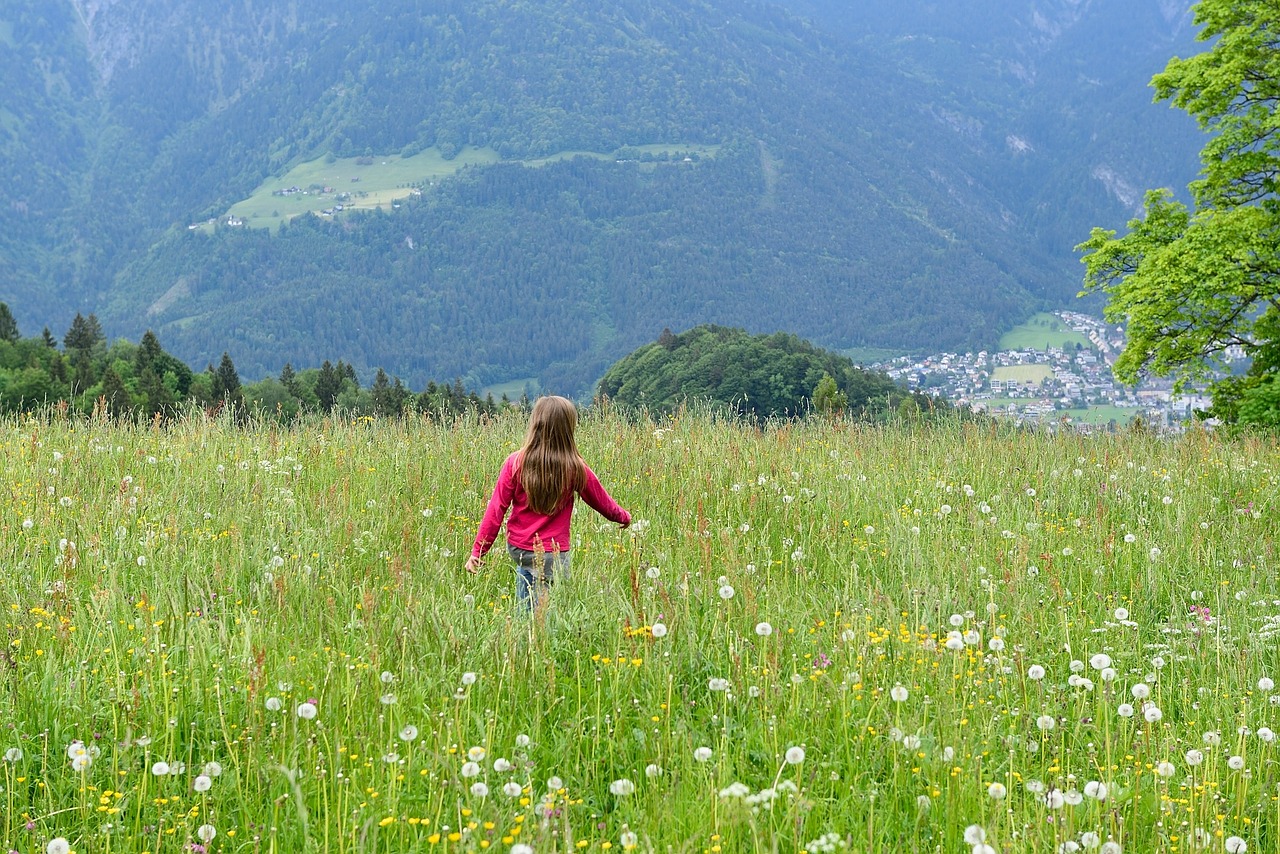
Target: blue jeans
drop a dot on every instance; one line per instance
(534, 581)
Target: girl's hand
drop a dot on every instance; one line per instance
(474, 563)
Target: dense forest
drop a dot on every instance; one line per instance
(866, 191)
(120, 379)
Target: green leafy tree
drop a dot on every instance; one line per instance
(1192, 282)
(827, 397)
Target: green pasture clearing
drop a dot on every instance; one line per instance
(1120, 415)
(814, 636)
(870, 355)
(513, 389)
(356, 183)
(1042, 331)
(1100, 415)
(365, 183)
(1022, 373)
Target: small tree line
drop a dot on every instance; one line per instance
(88, 374)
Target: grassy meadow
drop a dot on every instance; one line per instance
(1041, 332)
(366, 183)
(816, 637)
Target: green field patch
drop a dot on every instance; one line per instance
(513, 389)
(329, 186)
(1034, 374)
(870, 355)
(1119, 415)
(332, 186)
(1041, 332)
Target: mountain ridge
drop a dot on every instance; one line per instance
(916, 195)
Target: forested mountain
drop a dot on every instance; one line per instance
(894, 174)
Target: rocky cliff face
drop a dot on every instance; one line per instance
(229, 47)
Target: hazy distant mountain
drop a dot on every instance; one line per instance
(893, 174)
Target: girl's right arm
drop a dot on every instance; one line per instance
(495, 512)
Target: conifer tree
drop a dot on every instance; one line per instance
(380, 391)
(148, 353)
(114, 395)
(328, 386)
(226, 384)
(85, 333)
(289, 380)
(8, 326)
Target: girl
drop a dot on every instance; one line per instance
(538, 483)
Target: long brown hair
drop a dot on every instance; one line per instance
(550, 466)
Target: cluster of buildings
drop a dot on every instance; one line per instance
(1054, 385)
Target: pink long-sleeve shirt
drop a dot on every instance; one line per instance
(529, 529)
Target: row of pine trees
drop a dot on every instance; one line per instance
(121, 379)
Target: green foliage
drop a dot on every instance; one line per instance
(1191, 282)
(761, 376)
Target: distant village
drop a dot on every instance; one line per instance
(1043, 385)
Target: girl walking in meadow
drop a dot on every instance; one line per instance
(538, 483)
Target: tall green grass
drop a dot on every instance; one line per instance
(880, 598)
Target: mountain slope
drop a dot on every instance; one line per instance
(857, 197)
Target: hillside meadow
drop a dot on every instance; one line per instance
(816, 637)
